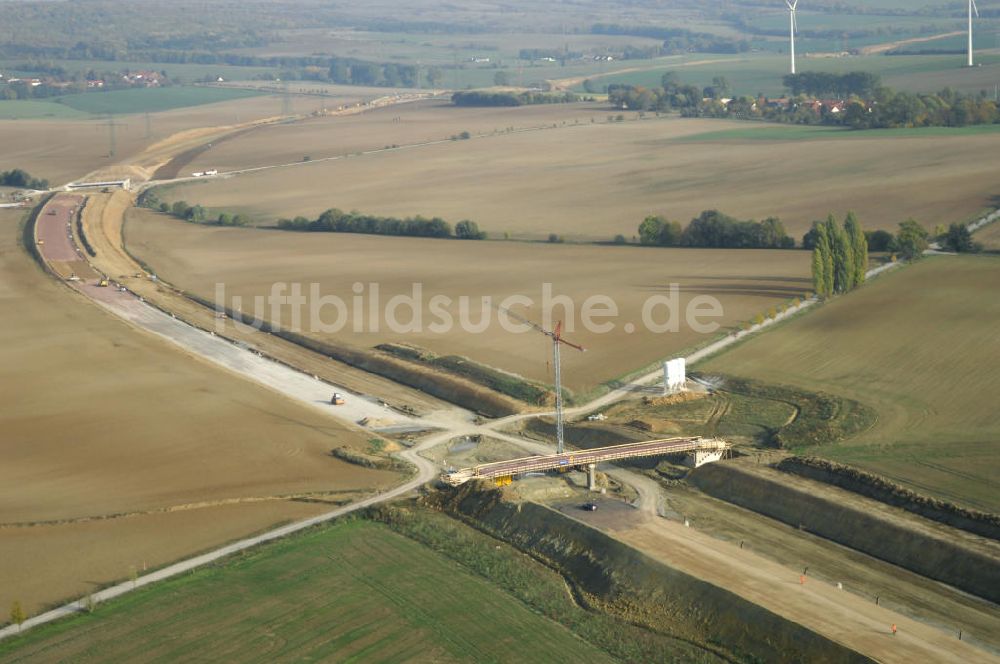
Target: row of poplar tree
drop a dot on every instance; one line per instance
(840, 256)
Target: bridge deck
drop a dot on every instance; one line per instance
(538, 463)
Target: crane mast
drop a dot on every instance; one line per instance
(557, 342)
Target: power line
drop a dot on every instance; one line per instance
(113, 135)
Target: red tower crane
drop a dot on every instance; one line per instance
(557, 341)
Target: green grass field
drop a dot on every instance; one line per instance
(119, 102)
(354, 591)
(919, 346)
(150, 100)
(30, 109)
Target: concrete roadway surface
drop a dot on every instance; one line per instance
(246, 362)
(58, 247)
(54, 230)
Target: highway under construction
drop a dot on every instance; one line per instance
(700, 450)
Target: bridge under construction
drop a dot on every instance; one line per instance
(701, 451)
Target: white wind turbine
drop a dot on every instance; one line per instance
(793, 26)
(972, 8)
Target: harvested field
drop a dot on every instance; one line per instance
(404, 124)
(248, 262)
(67, 148)
(593, 181)
(101, 420)
(989, 237)
(354, 590)
(64, 150)
(920, 346)
(46, 564)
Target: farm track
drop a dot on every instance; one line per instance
(567, 83)
(882, 48)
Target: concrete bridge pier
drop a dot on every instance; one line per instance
(592, 476)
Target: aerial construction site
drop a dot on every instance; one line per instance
(356, 340)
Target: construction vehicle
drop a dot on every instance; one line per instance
(103, 283)
(337, 399)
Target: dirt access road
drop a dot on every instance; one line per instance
(837, 614)
(875, 49)
(561, 84)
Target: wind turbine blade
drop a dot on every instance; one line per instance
(975, 8)
(790, 5)
(795, 4)
(795, 22)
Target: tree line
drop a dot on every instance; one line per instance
(486, 98)
(870, 105)
(910, 241)
(715, 230)
(337, 221)
(671, 95)
(201, 215)
(840, 255)
(22, 179)
(194, 213)
(820, 84)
